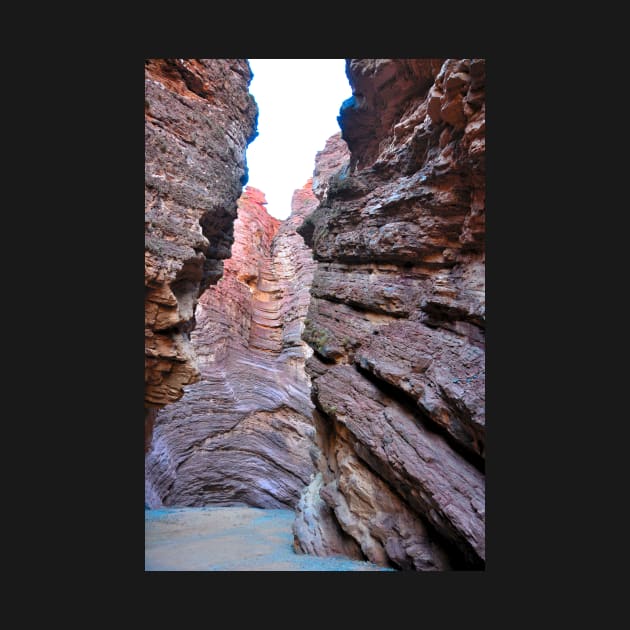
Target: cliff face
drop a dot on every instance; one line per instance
(199, 118)
(243, 433)
(397, 320)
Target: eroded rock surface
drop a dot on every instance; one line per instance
(397, 320)
(199, 119)
(243, 434)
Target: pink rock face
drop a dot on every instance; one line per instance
(397, 320)
(199, 118)
(243, 434)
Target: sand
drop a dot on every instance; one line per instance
(230, 539)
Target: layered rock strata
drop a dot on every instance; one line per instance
(199, 119)
(397, 320)
(243, 434)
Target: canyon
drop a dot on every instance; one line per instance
(332, 363)
(242, 434)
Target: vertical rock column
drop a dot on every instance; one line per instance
(199, 119)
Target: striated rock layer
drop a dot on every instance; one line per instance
(397, 320)
(199, 119)
(243, 434)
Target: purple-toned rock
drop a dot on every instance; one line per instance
(397, 320)
(243, 434)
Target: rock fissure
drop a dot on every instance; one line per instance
(422, 417)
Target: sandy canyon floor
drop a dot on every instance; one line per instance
(230, 539)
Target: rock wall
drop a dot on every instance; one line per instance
(397, 320)
(199, 119)
(243, 434)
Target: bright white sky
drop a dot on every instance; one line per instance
(298, 104)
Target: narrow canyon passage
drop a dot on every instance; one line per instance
(316, 383)
(241, 435)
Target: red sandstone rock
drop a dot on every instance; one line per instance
(243, 434)
(329, 161)
(382, 92)
(199, 118)
(397, 320)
